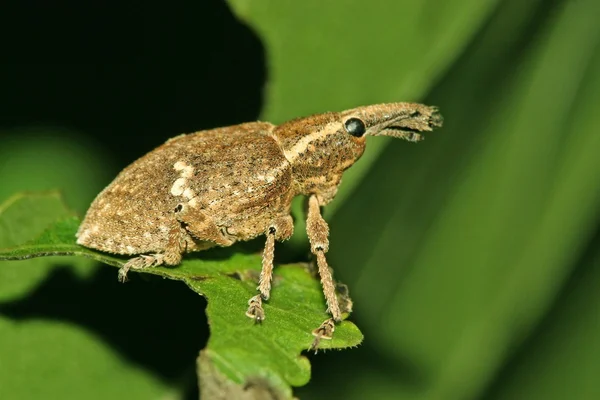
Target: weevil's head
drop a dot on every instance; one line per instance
(321, 147)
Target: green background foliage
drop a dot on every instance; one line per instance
(472, 257)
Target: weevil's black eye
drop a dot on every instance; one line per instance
(355, 127)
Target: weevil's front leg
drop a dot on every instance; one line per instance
(281, 229)
(318, 235)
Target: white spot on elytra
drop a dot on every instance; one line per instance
(179, 165)
(189, 193)
(178, 187)
(130, 249)
(164, 228)
(186, 170)
(147, 235)
(193, 202)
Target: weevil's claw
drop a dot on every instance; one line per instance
(140, 262)
(255, 310)
(122, 277)
(325, 331)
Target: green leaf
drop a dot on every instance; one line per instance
(239, 349)
(39, 224)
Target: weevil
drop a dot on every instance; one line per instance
(219, 186)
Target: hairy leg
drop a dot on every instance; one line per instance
(280, 229)
(171, 255)
(185, 235)
(318, 235)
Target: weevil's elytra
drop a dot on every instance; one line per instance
(220, 186)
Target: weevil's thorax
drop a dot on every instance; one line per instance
(319, 150)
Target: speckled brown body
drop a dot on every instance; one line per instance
(216, 187)
(135, 214)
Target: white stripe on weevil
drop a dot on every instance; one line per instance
(298, 148)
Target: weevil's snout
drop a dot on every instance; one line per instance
(413, 126)
(436, 120)
(401, 120)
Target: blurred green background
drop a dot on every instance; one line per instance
(473, 258)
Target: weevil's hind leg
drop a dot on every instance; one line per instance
(281, 229)
(183, 236)
(141, 262)
(318, 235)
(189, 232)
(170, 256)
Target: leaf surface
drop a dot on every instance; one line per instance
(239, 348)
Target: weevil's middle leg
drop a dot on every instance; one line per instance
(255, 309)
(281, 229)
(266, 273)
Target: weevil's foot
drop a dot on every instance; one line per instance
(255, 309)
(122, 278)
(264, 292)
(325, 331)
(140, 262)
